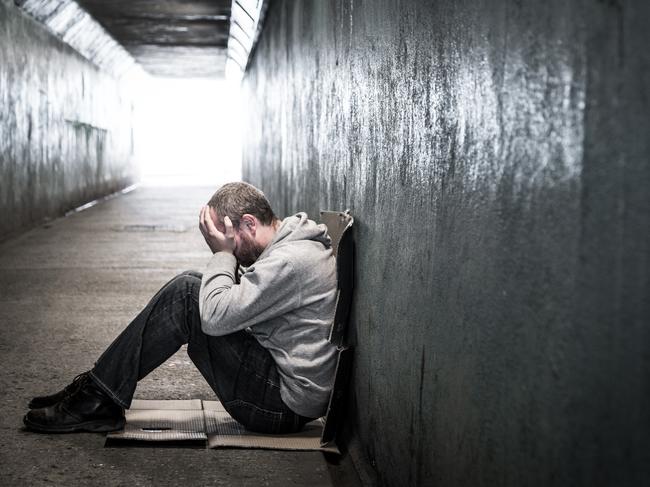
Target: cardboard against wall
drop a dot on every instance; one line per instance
(206, 423)
(339, 225)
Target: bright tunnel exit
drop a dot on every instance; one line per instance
(187, 131)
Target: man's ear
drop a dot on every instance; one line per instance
(248, 222)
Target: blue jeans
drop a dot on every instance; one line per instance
(241, 372)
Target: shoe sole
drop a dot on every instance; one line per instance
(97, 426)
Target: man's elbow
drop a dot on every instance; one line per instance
(207, 329)
(207, 321)
(211, 325)
(207, 314)
(216, 319)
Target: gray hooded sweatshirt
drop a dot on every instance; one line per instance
(287, 299)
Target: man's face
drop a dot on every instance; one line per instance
(247, 250)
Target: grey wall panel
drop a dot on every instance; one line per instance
(65, 127)
(495, 157)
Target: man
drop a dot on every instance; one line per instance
(259, 336)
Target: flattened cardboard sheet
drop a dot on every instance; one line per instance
(167, 404)
(209, 423)
(168, 421)
(224, 431)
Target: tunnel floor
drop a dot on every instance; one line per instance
(66, 289)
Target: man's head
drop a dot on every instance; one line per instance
(252, 218)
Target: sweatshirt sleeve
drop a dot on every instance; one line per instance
(268, 289)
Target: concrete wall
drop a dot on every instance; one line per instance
(65, 127)
(496, 157)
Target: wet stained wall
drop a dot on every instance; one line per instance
(65, 127)
(495, 156)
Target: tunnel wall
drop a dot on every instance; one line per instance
(495, 156)
(65, 127)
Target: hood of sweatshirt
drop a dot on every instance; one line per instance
(299, 227)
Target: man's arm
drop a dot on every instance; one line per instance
(267, 290)
(270, 288)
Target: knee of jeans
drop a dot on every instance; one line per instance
(192, 273)
(186, 283)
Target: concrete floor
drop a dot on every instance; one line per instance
(66, 289)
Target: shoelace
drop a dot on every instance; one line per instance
(76, 384)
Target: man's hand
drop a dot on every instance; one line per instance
(216, 240)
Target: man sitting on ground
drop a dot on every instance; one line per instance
(260, 338)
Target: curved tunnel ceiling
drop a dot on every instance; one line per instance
(79, 30)
(168, 37)
(172, 38)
